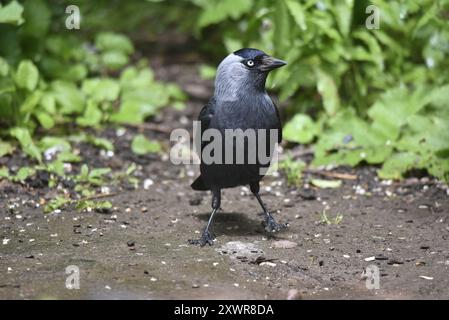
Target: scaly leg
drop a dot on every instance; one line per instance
(207, 237)
(270, 223)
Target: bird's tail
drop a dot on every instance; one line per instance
(198, 184)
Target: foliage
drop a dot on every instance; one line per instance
(357, 95)
(376, 96)
(51, 77)
(141, 145)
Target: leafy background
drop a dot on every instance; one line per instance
(354, 95)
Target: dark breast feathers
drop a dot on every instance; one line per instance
(254, 113)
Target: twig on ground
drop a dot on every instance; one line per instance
(330, 174)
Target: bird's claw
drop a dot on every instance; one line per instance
(272, 226)
(206, 238)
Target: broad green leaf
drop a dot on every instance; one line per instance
(68, 97)
(54, 142)
(217, 11)
(31, 101)
(133, 112)
(11, 13)
(101, 89)
(397, 165)
(141, 145)
(48, 103)
(114, 60)
(108, 41)
(300, 129)
(92, 115)
(67, 156)
(100, 142)
(328, 89)
(5, 148)
(45, 119)
(27, 144)
(24, 173)
(27, 75)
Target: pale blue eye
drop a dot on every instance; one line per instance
(250, 63)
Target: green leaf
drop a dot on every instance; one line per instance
(131, 169)
(45, 119)
(281, 25)
(84, 172)
(133, 112)
(300, 129)
(96, 176)
(4, 173)
(327, 88)
(217, 11)
(4, 67)
(108, 41)
(114, 60)
(24, 173)
(37, 16)
(92, 115)
(56, 203)
(100, 142)
(68, 97)
(27, 144)
(67, 156)
(298, 13)
(94, 205)
(141, 145)
(343, 12)
(27, 75)
(11, 13)
(48, 103)
(101, 89)
(30, 102)
(5, 148)
(325, 184)
(54, 142)
(397, 165)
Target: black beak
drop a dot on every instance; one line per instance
(269, 63)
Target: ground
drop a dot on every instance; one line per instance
(140, 249)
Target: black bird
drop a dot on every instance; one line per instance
(240, 101)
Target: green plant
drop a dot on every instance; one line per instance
(329, 221)
(50, 77)
(378, 96)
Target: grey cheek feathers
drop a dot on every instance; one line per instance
(231, 79)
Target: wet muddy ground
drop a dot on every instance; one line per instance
(139, 249)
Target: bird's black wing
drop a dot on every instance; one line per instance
(279, 127)
(204, 117)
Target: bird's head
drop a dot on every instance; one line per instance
(244, 71)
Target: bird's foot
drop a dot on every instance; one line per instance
(206, 238)
(272, 226)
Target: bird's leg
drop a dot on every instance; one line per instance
(207, 237)
(270, 223)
